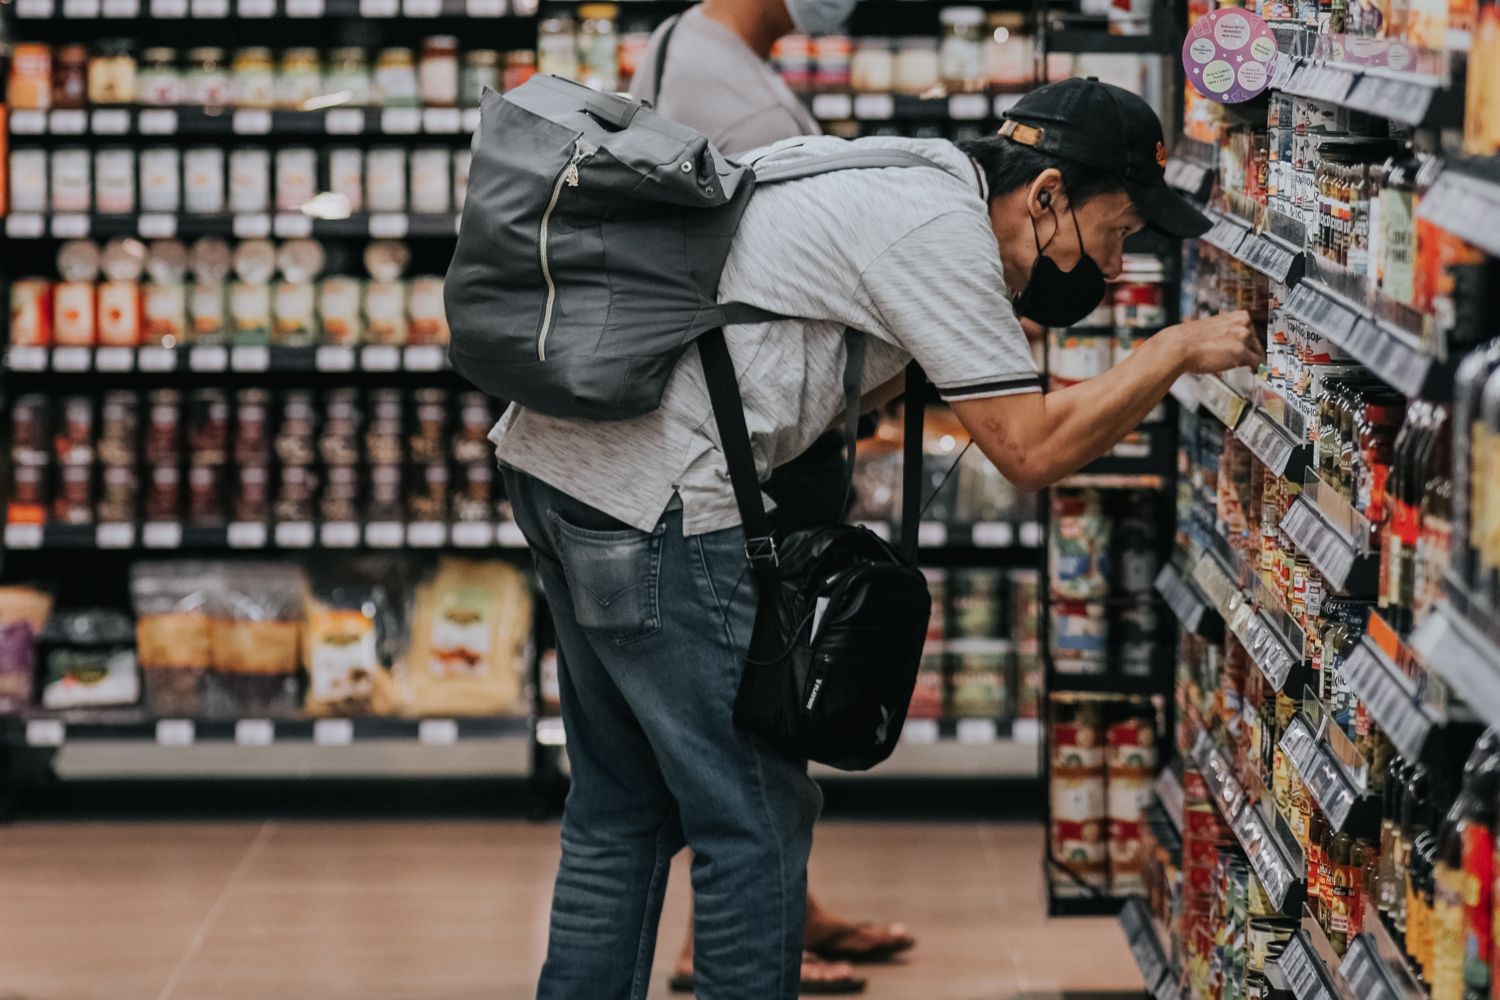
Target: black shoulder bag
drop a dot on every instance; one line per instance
(843, 615)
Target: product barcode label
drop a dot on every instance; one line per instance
(251, 121)
(114, 536)
(389, 225)
(250, 358)
(162, 535)
(246, 535)
(254, 732)
(208, 359)
(293, 226)
(257, 8)
(874, 107)
(27, 359)
(344, 121)
(252, 227)
(994, 535)
(295, 535)
(72, 359)
(508, 535)
(45, 732)
(25, 226)
(400, 121)
(384, 535)
(70, 227)
(437, 732)
(333, 732)
(423, 358)
(28, 122)
(426, 534)
(831, 107)
(339, 535)
(175, 732)
(920, 731)
(157, 225)
(156, 359)
(473, 534)
(441, 121)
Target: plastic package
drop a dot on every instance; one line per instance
(174, 634)
(23, 613)
(89, 660)
(351, 640)
(257, 618)
(469, 631)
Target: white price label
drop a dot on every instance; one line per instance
(485, 8)
(250, 358)
(246, 535)
(81, 10)
(968, 107)
(27, 359)
(333, 732)
(879, 529)
(126, 10)
(380, 358)
(295, 535)
(389, 225)
(473, 534)
(831, 107)
(340, 535)
(34, 8)
(70, 227)
(441, 121)
(471, 121)
(257, 9)
(162, 535)
(251, 121)
(28, 123)
(254, 732)
(72, 359)
(1026, 731)
(293, 226)
(977, 731)
(23, 536)
(426, 534)
(25, 226)
(994, 535)
(334, 358)
(385, 535)
(45, 732)
(508, 535)
(114, 359)
(379, 8)
(175, 732)
(401, 121)
(208, 359)
(168, 9)
(344, 121)
(423, 358)
(212, 10)
(252, 227)
(437, 732)
(304, 8)
(156, 359)
(932, 534)
(874, 107)
(422, 8)
(920, 731)
(114, 536)
(157, 225)
(1031, 534)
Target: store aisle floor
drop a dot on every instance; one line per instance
(291, 910)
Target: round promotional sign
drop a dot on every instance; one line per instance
(1229, 55)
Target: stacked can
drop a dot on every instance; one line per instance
(1231, 911)
(1025, 603)
(1078, 796)
(982, 662)
(1204, 833)
(1130, 760)
(1081, 571)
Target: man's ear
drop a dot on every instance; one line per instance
(1046, 194)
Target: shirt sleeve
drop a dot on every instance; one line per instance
(939, 294)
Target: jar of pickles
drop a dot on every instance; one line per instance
(349, 74)
(396, 79)
(481, 70)
(158, 81)
(253, 81)
(300, 79)
(206, 82)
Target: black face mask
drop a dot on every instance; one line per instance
(1057, 298)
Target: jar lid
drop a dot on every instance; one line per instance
(351, 53)
(124, 259)
(78, 260)
(398, 53)
(255, 261)
(962, 16)
(386, 260)
(158, 55)
(210, 260)
(253, 53)
(73, 53)
(483, 57)
(207, 54)
(166, 262)
(300, 55)
(300, 260)
(598, 11)
(440, 42)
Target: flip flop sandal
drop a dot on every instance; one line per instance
(828, 946)
(842, 986)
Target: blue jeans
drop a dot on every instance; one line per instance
(652, 629)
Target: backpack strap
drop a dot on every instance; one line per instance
(911, 461)
(661, 55)
(855, 159)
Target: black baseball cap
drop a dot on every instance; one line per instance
(1108, 128)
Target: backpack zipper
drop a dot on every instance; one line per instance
(569, 178)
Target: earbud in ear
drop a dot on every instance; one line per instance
(1045, 198)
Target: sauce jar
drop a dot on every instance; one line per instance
(70, 77)
(832, 59)
(159, 83)
(30, 86)
(437, 75)
(112, 74)
(520, 66)
(557, 47)
(481, 69)
(253, 82)
(963, 58)
(395, 79)
(916, 66)
(206, 82)
(873, 66)
(599, 46)
(300, 79)
(349, 74)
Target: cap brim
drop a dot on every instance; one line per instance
(1167, 211)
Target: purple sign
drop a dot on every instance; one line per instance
(1229, 55)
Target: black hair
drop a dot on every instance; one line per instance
(1008, 165)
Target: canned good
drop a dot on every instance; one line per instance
(1138, 305)
(114, 181)
(1075, 357)
(296, 178)
(1080, 637)
(1131, 746)
(250, 180)
(161, 180)
(28, 180)
(203, 172)
(71, 176)
(1076, 736)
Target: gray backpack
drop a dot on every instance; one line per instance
(593, 236)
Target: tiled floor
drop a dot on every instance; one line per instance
(293, 910)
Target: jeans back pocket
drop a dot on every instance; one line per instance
(612, 578)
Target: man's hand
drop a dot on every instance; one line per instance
(1218, 343)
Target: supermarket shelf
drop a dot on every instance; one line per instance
(1266, 253)
(1147, 945)
(1190, 177)
(1012, 756)
(249, 536)
(1376, 90)
(902, 107)
(1315, 529)
(1274, 644)
(1112, 682)
(979, 535)
(134, 726)
(83, 10)
(1188, 604)
(1465, 200)
(1217, 398)
(1273, 854)
(283, 225)
(213, 359)
(1302, 971)
(1100, 43)
(1392, 353)
(1375, 966)
(1146, 454)
(1084, 906)
(1277, 447)
(1452, 644)
(1343, 801)
(1394, 697)
(192, 122)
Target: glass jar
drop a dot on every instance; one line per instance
(207, 81)
(395, 79)
(1008, 53)
(349, 73)
(30, 86)
(158, 82)
(520, 66)
(557, 47)
(963, 56)
(832, 56)
(634, 40)
(872, 69)
(300, 79)
(481, 70)
(70, 77)
(112, 74)
(793, 55)
(437, 75)
(253, 80)
(917, 66)
(599, 47)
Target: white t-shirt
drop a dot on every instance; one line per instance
(906, 254)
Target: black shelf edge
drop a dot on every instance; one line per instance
(26, 362)
(1101, 43)
(173, 536)
(1338, 557)
(1192, 609)
(1148, 949)
(1455, 642)
(281, 225)
(1392, 699)
(1275, 445)
(1084, 906)
(163, 123)
(56, 729)
(1343, 803)
(263, 10)
(1465, 200)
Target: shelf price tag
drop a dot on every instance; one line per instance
(333, 732)
(874, 107)
(252, 227)
(994, 535)
(175, 732)
(295, 535)
(968, 107)
(251, 121)
(389, 225)
(74, 226)
(976, 731)
(1031, 534)
(422, 8)
(339, 535)
(27, 359)
(81, 10)
(380, 358)
(254, 732)
(426, 534)
(72, 359)
(122, 9)
(304, 8)
(1363, 971)
(508, 535)
(210, 9)
(832, 106)
(334, 358)
(441, 121)
(25, 226)
(250, 358)
(485, 8)
(256, 9)
(920, 731)
(156, 225)
(1332, 555)
(162, 535)
(28, 123)
(932, 534)
(23, 536)
(384, 535)
(156, 359)
(437, 732)
(1391, 702)
(473, 534)
(293, 226)
(208, 358)
(401, 121)
(344, 121)
(246, 535)
(168, 9)
(114, 536)
(34, 9)
(423, 358)
(1267, 442)
(45, 732)
(379, 8)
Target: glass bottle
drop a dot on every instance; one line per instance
(481, 70)
(70, 77)
(349, 76)
(599, 46)
(1340, 864)
(207, 81)
(253, 81)
(557, 47)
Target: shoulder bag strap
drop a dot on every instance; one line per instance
(661, 55)
(911, 461)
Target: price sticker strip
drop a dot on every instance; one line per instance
(1303, 972)
(1363, 971)
(1216, 584)
(1332, 553)
(1390, 697)
(1187, 176)
(1187, 605)
(1227, 234)
(1466, 206)
(1453, 648)
(1276, 873)
(1268, 650)
(1332, 789)
(1389, 97)
(1321, 311)
(1223, 402)
(1268, 441)
(1270, 258)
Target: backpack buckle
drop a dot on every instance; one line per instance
(762, 553)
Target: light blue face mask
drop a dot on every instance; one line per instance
(818, 17)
